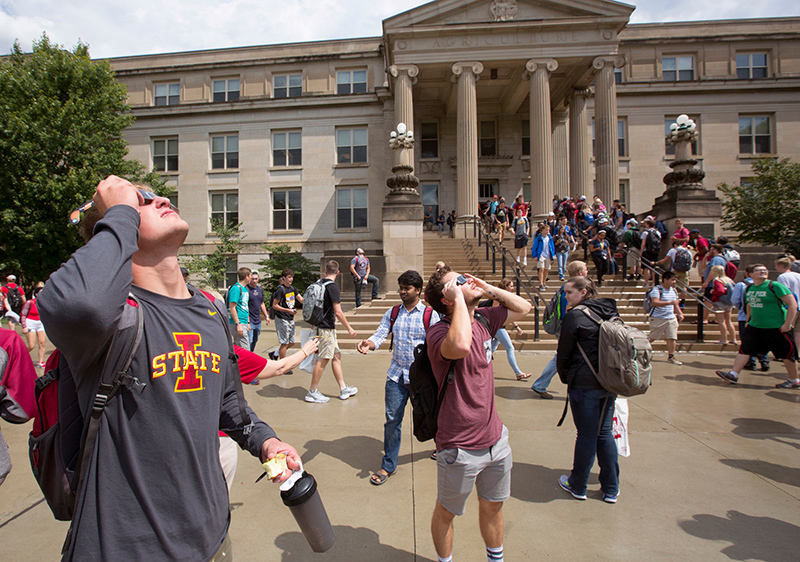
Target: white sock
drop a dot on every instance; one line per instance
(735, 374)
(494, 554)
(448, 559)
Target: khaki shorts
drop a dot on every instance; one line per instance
(328, 344)
(681, 276)
(488, 470)
(544, 263)
(663, 328)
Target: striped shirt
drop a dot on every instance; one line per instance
(409, 331)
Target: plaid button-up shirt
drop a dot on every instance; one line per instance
(409, 331)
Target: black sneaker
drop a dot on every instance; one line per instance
(751, 366)
(764, 366)
(727, 376)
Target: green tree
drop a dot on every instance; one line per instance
(61, 122)
(766, 208)
(212, 267)
(282, 257)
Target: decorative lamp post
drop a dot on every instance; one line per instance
(682, 133)
(404, 181)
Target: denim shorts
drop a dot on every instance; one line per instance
(488, 470)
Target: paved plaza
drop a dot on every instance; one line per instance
(714, 474)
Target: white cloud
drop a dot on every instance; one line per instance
(120, 27)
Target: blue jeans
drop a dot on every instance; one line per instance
(561, 260)
(502, 337)
(395, 398)
(587, 409)
(547, 375)
(370, 279)
(255, 331)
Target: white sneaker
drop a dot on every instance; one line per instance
(525, 262)
(674, 361)
(347, 392)
(517, 259)
(316, 397)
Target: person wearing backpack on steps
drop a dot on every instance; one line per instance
(407, 330)
(721, 295)
(328, 344)
(666, 314)
(771, 313)
(154, 487)
(590, 403)
(471, 442)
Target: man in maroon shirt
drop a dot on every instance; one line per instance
(471, 442)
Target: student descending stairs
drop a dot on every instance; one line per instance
(464, 255)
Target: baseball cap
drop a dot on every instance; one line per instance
(694, 231)
(11, 278)
(551, 213)
(632, 221)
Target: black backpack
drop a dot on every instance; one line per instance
(15, 299)
(653, 242)
(425, 395)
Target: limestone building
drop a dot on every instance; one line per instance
(504, 97)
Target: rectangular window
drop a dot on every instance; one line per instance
(669, 149)
(430, 198)
(165, 155)
(488, 138)
(526, 191)
(624, 192)
(351, 82)
(287, 86)
(429, 140)
(351, 208)
(751, 65)
(224, 152)
(351, 146)
(755, 135)
(231, 273)
(622, 145)
(526, 138)
(173, 199)
(286, 209)
(618, 76)
(677, 69)
(224, 208)
(287, 149)
(488, 190)
(226, 90)
(167, 94)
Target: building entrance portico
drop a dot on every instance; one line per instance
(501, 88)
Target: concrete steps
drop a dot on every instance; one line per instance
(465, 255)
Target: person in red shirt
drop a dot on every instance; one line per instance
(32, 327)
(681, 233)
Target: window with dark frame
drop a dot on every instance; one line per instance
(224, 152)
(225, 208)
(287, 86)
(488, 138)
(351, 82)
(677, 68)
(287, 148)
(751, 65)
(165, 155)
(226, 90)
(351, 146)
(351, 207)
(429, 140)
(526, 137)
(755, 135)
(287, 213)
(167, 94)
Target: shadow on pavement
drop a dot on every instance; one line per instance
(713, 380)
(775, 472)
(792, 396)
(359, 451)
(751, 538)
(537, 484)
(275, 391)
(352, 543)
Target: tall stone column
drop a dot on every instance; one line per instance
(580, 155)
(605, 128)
(560, 153)
(541, 136)
(467, 74)
(405, 76)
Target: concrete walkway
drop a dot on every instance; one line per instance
(714, 474)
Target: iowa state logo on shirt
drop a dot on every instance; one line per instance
(189, 362)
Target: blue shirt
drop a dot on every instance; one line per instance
(410, 331)
(256, 299)
(716, 260)
(738, 298)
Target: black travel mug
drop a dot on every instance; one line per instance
(306, 506)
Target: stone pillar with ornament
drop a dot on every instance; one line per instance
(685, 197)
(402, 210)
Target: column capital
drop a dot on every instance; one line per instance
(579, 93)
(397, 69)
(618, 61)
(560, 115)
(472, 66)
(544, 64)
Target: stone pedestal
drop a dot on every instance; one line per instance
(402, 216)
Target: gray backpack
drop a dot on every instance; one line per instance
(625, 354)
(314, 302)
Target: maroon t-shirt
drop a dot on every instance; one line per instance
(468, 418)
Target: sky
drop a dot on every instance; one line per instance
(114, 28)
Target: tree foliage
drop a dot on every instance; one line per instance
(766, 209)
(282, 257)
(212, 267)
(61, 122)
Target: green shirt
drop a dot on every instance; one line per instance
(239, 295)
(767, 310)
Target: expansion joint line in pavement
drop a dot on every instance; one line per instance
(720, 453)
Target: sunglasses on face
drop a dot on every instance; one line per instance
(148, 196)
(461, 280)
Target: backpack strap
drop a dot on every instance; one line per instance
(234, 359)
(124, 344)
(426, 318)
(392, 318)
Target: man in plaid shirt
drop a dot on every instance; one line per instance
(410, 323)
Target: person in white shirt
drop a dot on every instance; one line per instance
(666, 314)
(792, 281)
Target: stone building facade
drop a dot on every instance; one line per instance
(504, 97)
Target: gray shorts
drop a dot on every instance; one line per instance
(285, 329)
(488, 470)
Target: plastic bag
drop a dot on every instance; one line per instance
(308, 363)
(619, 427)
